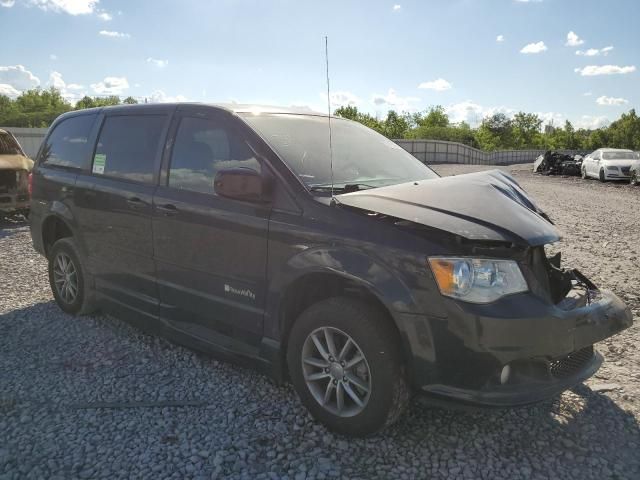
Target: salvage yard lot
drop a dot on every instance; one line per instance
(170, 413)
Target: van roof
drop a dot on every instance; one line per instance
(230, 107)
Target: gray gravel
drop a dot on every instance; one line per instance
(167, 412)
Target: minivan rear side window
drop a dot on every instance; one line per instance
(67, 144)
(128, 146)
(202, 148)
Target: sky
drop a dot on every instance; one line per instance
(562, 59)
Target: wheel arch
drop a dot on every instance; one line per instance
(54, 227)
(315, 286)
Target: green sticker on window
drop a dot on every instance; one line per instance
(99, 161)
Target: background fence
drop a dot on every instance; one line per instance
(427, 151)
(439, 151)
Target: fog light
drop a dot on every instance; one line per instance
(505, 374)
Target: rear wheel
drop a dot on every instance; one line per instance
(68, 278)
(583, 172)
(345, 362)
(601, 176)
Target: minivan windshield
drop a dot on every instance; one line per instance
(362, 158)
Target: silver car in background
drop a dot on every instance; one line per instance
(609, 164)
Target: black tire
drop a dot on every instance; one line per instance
(583, 172)
(634, 179)
(601, 176)
(378, 341)
(82, 302)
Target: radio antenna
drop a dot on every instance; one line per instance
(326, 56)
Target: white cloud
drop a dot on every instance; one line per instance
(396, 7)
(611, 101)
(551, 118)
(72, 7)
(8, 90)
(70, 91)
(595, 52)
(594, 70)
(109, 33)
(591, 122)
(104, 15)
(158, 62)
(340, 99)
(18, 77)
(439, 85)
(573, 40)
(393, 100)
(538, 47)
(7, 4)
(473, 113)
(53, 56)
(111, 86)
(159, 96)
(500, 38)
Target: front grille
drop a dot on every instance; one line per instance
(571, 364)
(625, 170)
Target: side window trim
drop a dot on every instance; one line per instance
(158, 156)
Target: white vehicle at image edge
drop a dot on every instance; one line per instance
(609, 164)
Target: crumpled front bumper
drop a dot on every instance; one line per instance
(545, 348)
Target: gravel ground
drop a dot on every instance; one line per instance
(95, 398)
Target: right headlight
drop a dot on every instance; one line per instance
(477, 280)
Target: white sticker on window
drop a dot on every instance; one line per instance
(99, 161)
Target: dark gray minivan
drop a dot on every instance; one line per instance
(226, 229)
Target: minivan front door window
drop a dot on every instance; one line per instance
(201, 149)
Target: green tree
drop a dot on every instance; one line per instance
(395, 126)
(33, 108)
(434, 117)
(495, 132)
(526, 130)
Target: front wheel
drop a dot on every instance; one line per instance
(345, 362)
(634, 179)
(583, 172)
(68, 278)
(601, 176)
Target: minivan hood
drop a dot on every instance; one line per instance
(487, 205)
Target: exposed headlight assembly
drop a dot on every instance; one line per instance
(477, 280)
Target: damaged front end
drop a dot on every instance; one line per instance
(530, 346)
(524, 345)
(15, 168)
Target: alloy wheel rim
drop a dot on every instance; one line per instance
(336, 371)
(65, 277)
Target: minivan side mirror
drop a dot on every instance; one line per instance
(242, 184)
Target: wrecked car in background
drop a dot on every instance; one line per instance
(556, 163)
(15, 168)
(609, 164)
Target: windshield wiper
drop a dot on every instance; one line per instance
(346, 188)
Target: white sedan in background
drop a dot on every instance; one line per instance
(609, 164)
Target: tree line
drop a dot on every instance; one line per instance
(38, 108)
(500, 132)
